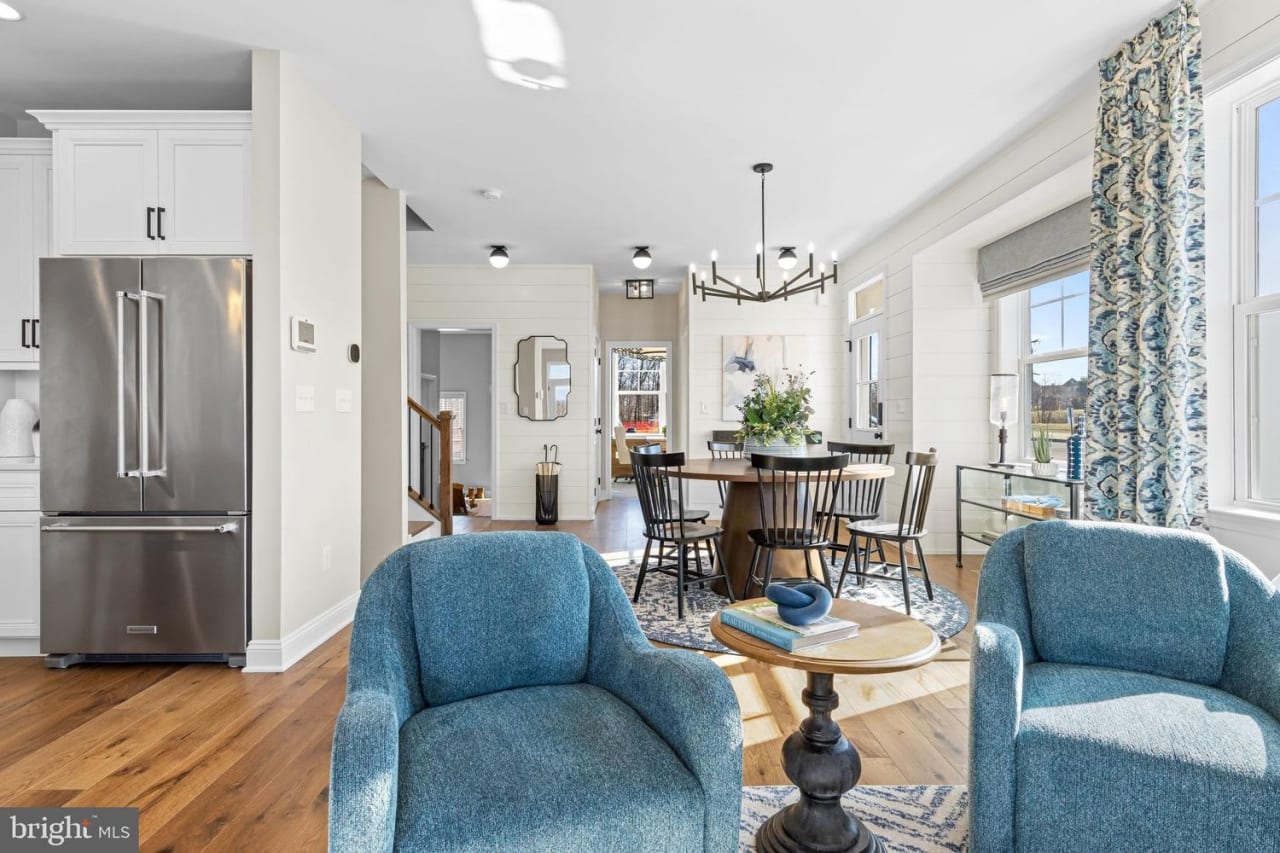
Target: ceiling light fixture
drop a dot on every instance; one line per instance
(804, 281)
(642, 258)
(498, 258)
(8, 13)
(639, 288)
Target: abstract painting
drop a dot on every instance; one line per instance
(742, 357)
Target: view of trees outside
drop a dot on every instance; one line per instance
(1058, 325)
(639, 393)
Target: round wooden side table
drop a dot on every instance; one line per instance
(818, 758)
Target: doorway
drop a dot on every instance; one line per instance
(866, 369)
(637, 379)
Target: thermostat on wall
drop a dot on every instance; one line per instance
(302, 336)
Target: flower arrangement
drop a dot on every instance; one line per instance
(776, 412)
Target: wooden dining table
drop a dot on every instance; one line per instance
(742, 512)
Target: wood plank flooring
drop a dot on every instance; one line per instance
(222, 761)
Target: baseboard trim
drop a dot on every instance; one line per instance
(279, 655)
(19, 647)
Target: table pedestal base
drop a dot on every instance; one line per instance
(823, 764)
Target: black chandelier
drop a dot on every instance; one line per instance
(804, 281)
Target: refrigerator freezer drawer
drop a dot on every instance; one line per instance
(143, 585)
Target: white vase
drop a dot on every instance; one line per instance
(774, 448)
(16, 420)
(1044, 469)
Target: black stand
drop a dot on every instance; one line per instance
(823, 764)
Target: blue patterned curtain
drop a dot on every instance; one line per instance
(1145, 447)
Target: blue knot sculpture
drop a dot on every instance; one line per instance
(802, 604)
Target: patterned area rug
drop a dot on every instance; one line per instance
(656, 610)
(910, 818)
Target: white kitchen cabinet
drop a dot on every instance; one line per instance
(24, 239)
(20, 575)
(151, 183)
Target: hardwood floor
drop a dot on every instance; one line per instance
(218, 760)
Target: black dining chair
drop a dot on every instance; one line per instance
(908, 528)
(688, 515)
(857, 500)
(667, 524)
(796, 492)
(724, 450)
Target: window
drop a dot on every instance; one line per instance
(1055, 357)
(1257, 311)
(640, 389)
(456, 402)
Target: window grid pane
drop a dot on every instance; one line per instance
(1264, 406)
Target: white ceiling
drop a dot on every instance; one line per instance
(865, 109)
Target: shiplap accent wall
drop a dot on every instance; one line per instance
(522, 301)
(951, 326)
(819, 319)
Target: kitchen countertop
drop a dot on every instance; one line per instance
(19, 463)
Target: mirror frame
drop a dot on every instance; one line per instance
(515, 378)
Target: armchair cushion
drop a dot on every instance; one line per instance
(1186, 762)
(566, 767)
(481, 631)
(1144, 599)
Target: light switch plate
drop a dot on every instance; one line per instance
(342, 400)
(304, 398)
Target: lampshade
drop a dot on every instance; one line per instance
(1004, 399)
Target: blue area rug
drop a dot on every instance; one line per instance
(906, 818)
(656, 610)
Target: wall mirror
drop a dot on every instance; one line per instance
(542, 378)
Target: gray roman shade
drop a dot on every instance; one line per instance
(1044, 250)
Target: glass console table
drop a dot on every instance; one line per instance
(991, 501)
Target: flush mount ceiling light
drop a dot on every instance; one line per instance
(642, 258)
(499, 258)
(8, 13)
(639, 288)
(804, 281)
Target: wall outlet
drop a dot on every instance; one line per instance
(326, 558)
(304, 398)
(342, 400)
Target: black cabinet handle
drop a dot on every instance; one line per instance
(160, 222)
(25, 345)
(151, 211)
(35, 332)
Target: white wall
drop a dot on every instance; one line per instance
(819, 319)
(383, 513)
(307, 261)
(523, 301)
(623, 319)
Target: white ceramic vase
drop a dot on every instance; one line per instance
(16, 420)
(776, 448)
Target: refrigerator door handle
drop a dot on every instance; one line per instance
(144, 297)
(121, 470)
(229, 527)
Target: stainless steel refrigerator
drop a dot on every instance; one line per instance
(144, 478)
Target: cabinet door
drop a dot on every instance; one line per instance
(106, 181)
(42, 225)
(20, 574)
(17, 308)
(204, 192)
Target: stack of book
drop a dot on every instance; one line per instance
(760, 619)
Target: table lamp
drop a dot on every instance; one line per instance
(1004, 408)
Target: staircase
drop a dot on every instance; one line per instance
(430, 460)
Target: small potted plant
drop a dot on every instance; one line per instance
(775, 416)
(1044, 465)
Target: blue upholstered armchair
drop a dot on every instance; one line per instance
(1125, 694)
(502, 697)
